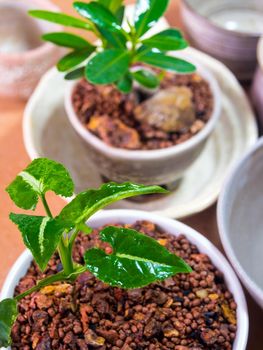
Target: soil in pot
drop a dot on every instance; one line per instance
(194, 311)
(118, 120)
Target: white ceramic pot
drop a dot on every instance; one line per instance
(240, 220)
(174, 227)
(226, 29)
(163, 166)
(24, 57)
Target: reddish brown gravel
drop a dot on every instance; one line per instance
(110, 115)
(187, 312)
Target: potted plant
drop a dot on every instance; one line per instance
(111, 287)
(140, 120)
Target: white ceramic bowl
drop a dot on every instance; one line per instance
(226, 29)
(163, 166)
(174, 227)
(240, 220)
(24, 57)
(256, 89)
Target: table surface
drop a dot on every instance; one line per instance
(13, 158)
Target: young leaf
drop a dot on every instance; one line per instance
(147, 13)
(67, 40)
(40, 176)
(168, 63)
(60, 18)
(125, 83)
(167, 40)
(89, 202)
(8, 315)
(98, 14)
(137, 260)
(107, 66)
(146, 78)
(75, 74)
(40, 234)
(74, 58)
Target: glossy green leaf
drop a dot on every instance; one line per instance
(137, 260)
(67, 40)
(75, 74)
(120, 14)
(125, 83)
(167, 40)
(98, 14)
(40, 176)
(114, 39)
(40, 234)
(107, 66)
(166, 62)
(60, 18)
(8, 315)
(146, 78)
(89, 202)
(112, 5)
(74, 58)
(147, 13)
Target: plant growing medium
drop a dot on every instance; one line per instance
(135, 260)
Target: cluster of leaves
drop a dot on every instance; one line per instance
(136, 259)
(111, 61)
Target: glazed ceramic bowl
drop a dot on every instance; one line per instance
(163, 166)
(174, 227)
(240, 220)
(23, 56)
(226, 29)
(257, 86)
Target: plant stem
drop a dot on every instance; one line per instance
(44, 201)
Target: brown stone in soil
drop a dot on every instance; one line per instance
(165, 315)
(113, 113)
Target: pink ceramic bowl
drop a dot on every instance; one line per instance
(226, 29)
(24, 57)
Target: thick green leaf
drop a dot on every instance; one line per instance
(125, 83)
(146, 78)
(167, 40)
(98, 14)
(74, 58)
(115, 39)
(60, 18)
(67, 40)
(147, 13)
(120, 14)
(166, 62)
(107, 66)
(40, 176)
(40, 234)
(75, 74)
(89, 202)
(137, 260)
(112, 5)
(8, 315)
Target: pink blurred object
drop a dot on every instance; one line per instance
(257, 86)
(24, 57)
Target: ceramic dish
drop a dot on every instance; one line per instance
(256, 90)
(24, 58)
(240, 220)
(227, 29)
(48, 133)
(174, 227)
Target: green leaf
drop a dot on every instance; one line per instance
(40, 234)
(146, 78)
(125, 83)
(120, 14)
(74, 58)
(112, 5)
(166, 62)
(107, 66)
(60, 18)
(67, 40)
(8, 315)
(167, 40)
(147, 13)
(98, 14)
(115, 39)
(137, 260)
(40, 176)
(86, 203)
(75, 74)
